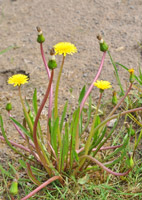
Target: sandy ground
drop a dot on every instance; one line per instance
(75, 21)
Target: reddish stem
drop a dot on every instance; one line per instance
(121, 100)
(102, 148)
(22, 147)
(105, 168)
(37, 118)
(92, 85)
(51, 90)
(41, 186)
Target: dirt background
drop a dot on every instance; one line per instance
(75, 21)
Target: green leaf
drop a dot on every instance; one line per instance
(7, 141)
(54, 135)
(22, 128)
(82, 93)
(35, 107)
(95, 136)
(3, 171)
(83, 180)
(136, 77)
(12, 167)
(73, 135)
(31, 175)
(65, 146)
(63, 116)
(89, 114)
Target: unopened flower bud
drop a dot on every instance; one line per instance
(103, 44)
(130, 130)
(40, 38)
(14, 187)
(114, 98)
(132, 77)
(52, 61)
(8, 106)
(131, 162)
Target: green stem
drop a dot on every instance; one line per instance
(57, 89)
(30, 125)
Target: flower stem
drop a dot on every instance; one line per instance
(121, 100)
(105, 168)
(25, 112)
(41, 186)
(57, 89)
(92, 85)
(51, 90)
(44, 160)
(16, 145)
(87, 146)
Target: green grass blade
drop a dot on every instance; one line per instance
(126, 140)
(116, 72)
(5, 50)
(139, 79)
(3, 171)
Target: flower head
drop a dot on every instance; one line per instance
(65, 48)
(18, 79)
(102, 85)
(131, 71)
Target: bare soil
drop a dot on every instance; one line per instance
(75, 21)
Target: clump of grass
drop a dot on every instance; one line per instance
(61, 155)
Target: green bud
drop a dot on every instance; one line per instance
(132, 78)
(103, 44)
(8, 106)
(114, 98)
(14, 188)
(52, 64)
(40, 38)
(131, 162)
(52, 61)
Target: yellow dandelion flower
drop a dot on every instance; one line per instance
(18, 79)
(65, 48)
(102, 84)
(131, 71)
